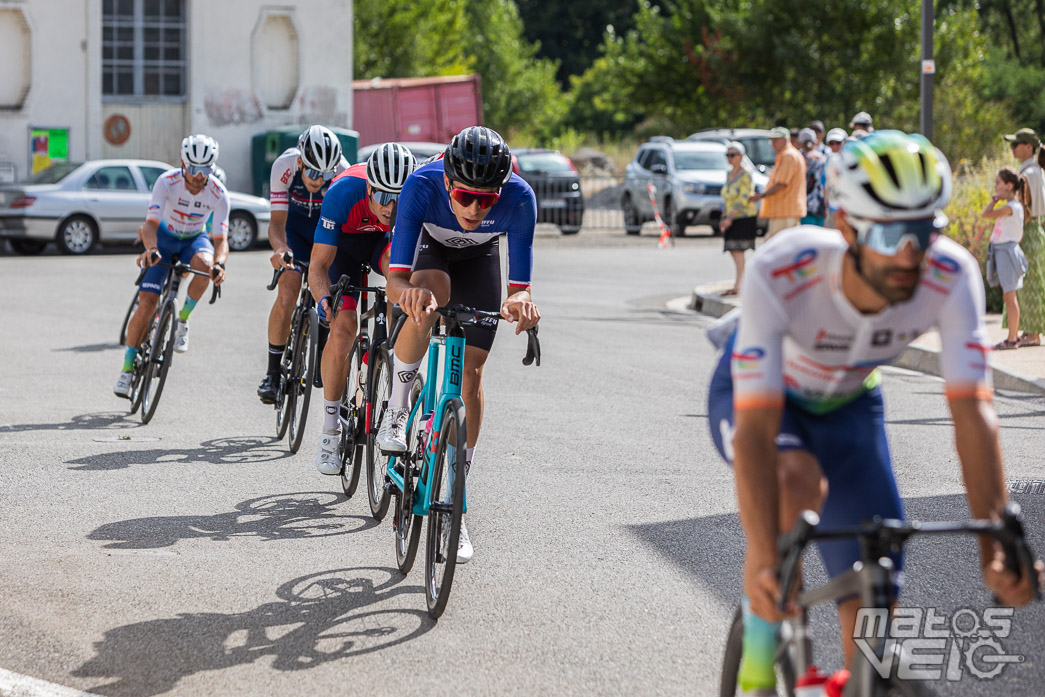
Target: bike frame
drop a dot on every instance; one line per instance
(434, 403)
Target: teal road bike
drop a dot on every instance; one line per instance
(426, 480)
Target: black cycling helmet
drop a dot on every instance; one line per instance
(478, 157)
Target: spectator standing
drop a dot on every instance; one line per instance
(861, 124)
(818, 128)
(1006, 263)
(794, 139)
(739, 222)
(815, 161)
(785, 195)
(834, 140)
(1025, 145)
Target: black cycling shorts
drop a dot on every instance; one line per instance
(475, 280)
(353, 250)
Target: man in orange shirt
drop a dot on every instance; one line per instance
(785, 196)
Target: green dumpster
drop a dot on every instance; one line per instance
(267, 146)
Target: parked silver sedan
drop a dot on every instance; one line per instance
(79, 205)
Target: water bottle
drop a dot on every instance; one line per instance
(811, 684)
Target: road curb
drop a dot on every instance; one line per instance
(706, 300)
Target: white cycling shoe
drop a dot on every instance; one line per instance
(181, 336)
(123, 385)
(391, 437)
(464, 545)
(328, 457)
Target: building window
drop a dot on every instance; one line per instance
(143, 48)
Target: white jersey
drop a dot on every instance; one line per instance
(184, 215)
(799, 336)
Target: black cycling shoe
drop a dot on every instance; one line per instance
(268, 388)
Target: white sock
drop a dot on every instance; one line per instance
(330, 415)
(403, 375)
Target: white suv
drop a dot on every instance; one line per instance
(688, 179)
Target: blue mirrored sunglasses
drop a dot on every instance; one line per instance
(318, 174)
(194, 170)
(890, 237)
(384, 198)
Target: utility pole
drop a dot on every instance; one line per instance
(928, 69)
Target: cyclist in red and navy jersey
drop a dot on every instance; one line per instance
(353, 230)
(299, 181)
(445, 251)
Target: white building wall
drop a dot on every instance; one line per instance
(223, 96)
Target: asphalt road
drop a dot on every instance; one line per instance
(195, 556)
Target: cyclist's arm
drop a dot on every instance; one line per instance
(280, 178)
(278, 231)
(518, 306)
(410, 214)
(319, 270)
(333, 214)
(157, 205)
(148, 233)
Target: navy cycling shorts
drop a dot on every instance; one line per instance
(300, 246)
(851, 447)
(354, 250)
(172, 248)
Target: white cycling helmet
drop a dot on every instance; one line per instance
(199, 150)
(320, 149)
(388, 167)
(890, 176)
(219, 174)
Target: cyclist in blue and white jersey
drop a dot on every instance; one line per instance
(450, 217)
(299, 180)
(183, 201)
(795, 404)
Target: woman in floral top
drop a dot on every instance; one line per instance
(740, 217)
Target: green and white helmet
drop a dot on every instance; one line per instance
(889, 175)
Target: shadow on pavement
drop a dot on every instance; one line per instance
(323, 617)
(221, 451)
(90, 348)
(276, 517)
(97, 421)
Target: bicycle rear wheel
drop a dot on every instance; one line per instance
(301, 376)
(353, 416)
(160, 356)
(446, 493)
(785, 672)
(141, 365)
(127, 317)
(284, 392)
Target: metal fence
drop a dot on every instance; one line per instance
(560, 203)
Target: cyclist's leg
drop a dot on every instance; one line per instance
(342, 330)
(200, 253)
(852, 446)
(150, 289)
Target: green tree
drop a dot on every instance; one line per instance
(401, 38)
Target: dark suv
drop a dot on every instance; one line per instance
(556, 185)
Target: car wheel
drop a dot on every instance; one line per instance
(77, 235)
(632, 224)
(243, 231)
(569, 230)
(28, 247)
(675, 225)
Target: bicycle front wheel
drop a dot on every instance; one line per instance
(379, 390)
(353, 416)
(301, 376)
(446, 493)
(284, 392)
(159, 362)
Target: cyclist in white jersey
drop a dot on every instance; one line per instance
(794, 404)
(183, 201)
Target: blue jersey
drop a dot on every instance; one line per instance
(425, 203)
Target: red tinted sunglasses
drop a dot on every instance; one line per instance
(466, 198)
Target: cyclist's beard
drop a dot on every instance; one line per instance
(877, 278)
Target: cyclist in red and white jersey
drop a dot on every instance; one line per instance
(795, 404)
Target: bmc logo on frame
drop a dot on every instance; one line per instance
(932, 645)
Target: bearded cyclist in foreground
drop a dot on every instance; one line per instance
(450, 217)
(184, 202)
(299, 180)
(353, 229)
(795, 403)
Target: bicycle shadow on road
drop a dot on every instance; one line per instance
(96, 421)
(276, 517)
(220, 451)
(327, 616)
(89, 348)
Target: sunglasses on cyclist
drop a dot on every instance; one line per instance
(318, 174)
(195, 170)
(383, 198)
(466, 198)
(888, 238)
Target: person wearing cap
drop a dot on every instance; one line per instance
(815, 162)
(739, 223)
(784, 200)
(861, 124)
(1025, 145)
(834, 140)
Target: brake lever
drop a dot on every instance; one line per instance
(398, 320)
(533, 347)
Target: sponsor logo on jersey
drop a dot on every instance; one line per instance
(199, 204)
(826, 341)
(286, 176)
(327, 223)
(800, 268)
(182, 202)
(943, 268)
(882, 337)
(748, 358)
(460, 242)
(487, 222)
(187, 218)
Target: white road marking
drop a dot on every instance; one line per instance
(16, 685)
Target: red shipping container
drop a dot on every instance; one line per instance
(415, 109)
